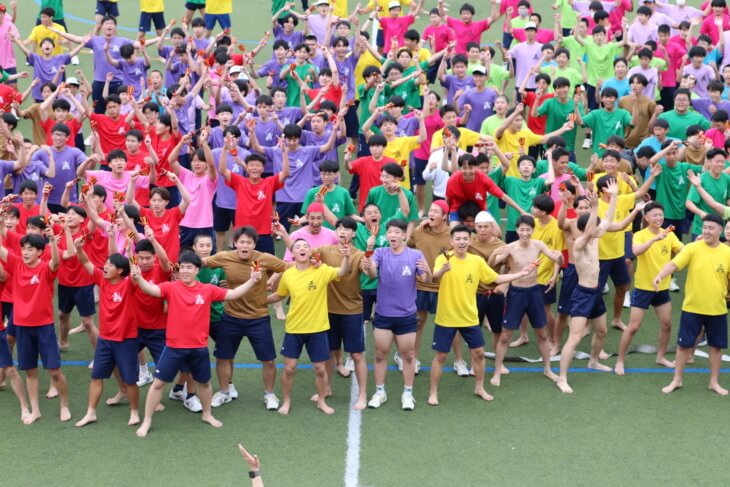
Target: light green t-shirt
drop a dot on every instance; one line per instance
(338, 201)
(605, 124)
(522, 192)
(599, 64)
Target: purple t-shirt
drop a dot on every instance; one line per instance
(289, 115)
(45, 70)
(310, 139)
(454, 84)
(67, 161)
(101, 66)
(525, 56)
(317, 27)
(704, 75)
(35, 171)
(215, 139)
(225, 197)
(482, 106)
(396, 296)
(171, 77)
(640, 33)
(702, 105)
(133, 74)
(346, 72)
(273, 67)
(300, 178)
(652, 76)
(292, 39)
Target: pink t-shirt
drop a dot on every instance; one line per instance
(433, 123)
(543, 36)
(443, 34)
(395, 27)
(674, 55)
(112, 184)
(201, 189)
(717, 137)
(7, 55)
(323, 238)
(709, 28)
(466, 33)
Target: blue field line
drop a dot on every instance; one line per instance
(579, 370)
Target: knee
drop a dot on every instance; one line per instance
(55, 374)
(357, 357)
(407, 356)
(440, 358)
(600, 332)
(380, 356)
(269, 364)
(290, 369)
(320, 369)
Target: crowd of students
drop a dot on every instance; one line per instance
(194, 171)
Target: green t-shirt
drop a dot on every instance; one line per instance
(497, 75)
(366, 97)
(557, 114)
(56, 5)
(493, 203)
(605, 124)
(215, 276)
(541, 167)
(718, 188)
(491, 124)
(409, 91)
(361, 243)
(658, 63)
(599, 59)
(389, 204)
(292, 87)
(678, 124)
(576, 51)
(571, 74)
(523, 192)
(568, 16)
(672, 186)
(338, 201)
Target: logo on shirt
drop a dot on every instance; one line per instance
(298, 163)
(199, 299)
(680, 180)
(665, 251)
(66, 166)
(122, 131)
(214, 280)
(469, 279)
(720, 269)
(116, 297)
(336, 208)
(165, 228)
(487, 105)
(35, 279)
(236, 169)
(261, 196)
(618, 125)
(269, 136)
(311, 286)
(115, 49)
(406, 271)
(478, 196)
(533, 192)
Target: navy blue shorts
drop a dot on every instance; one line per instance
(690, 327)
(265, 244)
(570, 280)
(643, 299)
(521, 301)
(550, 297)
(352, 123)
(443, 337)
(426, 301)
(223, 19)
(421, 164)
(34, 341)
(105, 8)
(318, 347)
(199, 6)
(154, 340)
(223, 218)
(616, 268)
(368, 301)
(288, 210)
(7, 310)
(628, 242)
(587, 302)
(258, 331)
(123, 355)
(147, 18)
(492, 307)
(510, 236)
(6, 358)
(215, 329)
(347, 330)
(399, 325)
(82, 297)
(172, 360)
(187, 236)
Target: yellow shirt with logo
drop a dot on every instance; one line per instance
(41, 32)
(151, 6)
(651, 262)
(466, 138)
(510, 142)
(611, 245)
(400, 150)
(553, 237)
(308, 292)
(218, 7)
(456, 307)
(708, 270)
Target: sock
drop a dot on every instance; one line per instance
(190, 394)
(177, 388)
(408, 390)
(380, 388)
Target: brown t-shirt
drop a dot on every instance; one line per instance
(343, 296)
(484, 250)
(640, 131)
(33, 112)
(253, 304)
(430, 243)
(695, 156)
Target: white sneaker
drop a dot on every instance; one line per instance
(271, 401)
(587, 143)
(605, 289)
(192, 404)
(75, 61)
(91, 365)
(88, 141)
(350, 364)
(232, 390)
(378, 399)
(627, 299)
(673, 286)
(418, 367)
(144, 378)
(179, 395)
(407, 402)
(461, 369)
(220, 398)
(398, 361)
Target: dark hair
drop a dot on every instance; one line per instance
(583, 221)
(256, 158)
(710, 217)
(661, 123)
(664, 29)
(397, 223)
(144, 245)
(377, 139)
(393, 169)
(127, 50)
(120, 262)
(616, 140)
(542, 76)
(161, 191)
(525, 220)
(559, 152)
(29, 184)
(612, 153)
(201, 236)
(544, 203)
(459, 59)
(413, 35)
(100, 191)
(468, 160)
(697, 51)
(460, 228)
(62, 104)
(599, 16)
(61, 127)
(329, 165)
(286, 19)
(188, 257)
(224, 107)
(292, 131)
(281, 43)
(561, 82)
(648, 152)
(34, 221)
(467, 7)
(644, 10)
(78, 210)
(530, 159)
(248, 231)
(609, 92)
(113, 98)
(347, 222)
(232, 130)
(652, 206)
(720, 116)
(134, 133)
(49, 12)
(640, 78)
(715, 152)
(35, 241)
(446, 109)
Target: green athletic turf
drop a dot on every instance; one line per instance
(611, 431)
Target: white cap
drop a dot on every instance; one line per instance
(530, 25)
(323, 2)
(235, 69)
(394, 4)
(484, 217)
(72, 81)
(681, 2)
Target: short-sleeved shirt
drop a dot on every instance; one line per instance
(510, 142)
(654, 259)
(32, 292)
(672, 186)
(459, 191)
(599, 65)
(707, 277)
(718, 188)
(399, 149)
(611, 244)
(41, 32)
(338, 201)
(678, 123)
(457, 287)
(389, 204)
(343, 296)
(523, 192)
(254, 201)
(606, 124)
(308, 292)
(115, 308)
(202, 190)
(188, 317)
(215, 277)
(396, 296)
(149, 311)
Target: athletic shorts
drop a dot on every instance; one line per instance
(491, 306)
(172, 360)
(318, 347)
(6, 358)
(587, 302)
(426, 301)
(81, 297)
(232, 330)
(616, 268)
(368, 302)
(421, 165)
(223, 218)
(223, 19)
(399, 325)
(7, 309)
(215, 329)
(643, 299)
(265, 244)
(521, 301)
(146, 19)
(510, 236)
(153, 340)
(35, 341)
(454, 216)
(352, 123)
(122, 355)
(443, 337)
(199, 6)
(187, 236)
(550, 297)
(288, 210)
(690, 327)
(105, 8)
(570, 280)
(347, 330)
(628, 242)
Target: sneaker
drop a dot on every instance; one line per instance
(407, 402)
(378, 399)
(350, 364)
(587, 143)
(461, 369)
(192, 404)
(179, 395)
(220, 398)
(88, 141)
(605, 289)
(232, 390)
(75, 61)
(673, 286)
(418, 367)
(144, 379)
(627, 300)
(398, 361)
(271, 401)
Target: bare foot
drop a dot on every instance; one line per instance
(133, 418)
(673, 386)
(32, 417)
(564, 387)
(361, 403)
(433, 400)
(496, 380)
(24, 413)
(88, 419)
(322, 406)
(599, 366)
(75, 330)
(342, 370)
(665, 362)
(523, 340)
(65, 414)
(691, 359)
(284, 408)
(315, 397)
(52, 392)
(602, 355)
(159, 408)
(280, 315)
(551, 375)
(618, 324)
(619, 368)
(483, 394)
(63, 348)
(208, 418)
(144, 429)
(718, 388)
(554, 350)
(116, 399)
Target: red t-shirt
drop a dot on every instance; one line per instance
(334, 94)
(72, 123)
(254, 201)
(188, 317)
(536, 124)
(163, 148)
(368, 169)
(115, 312)
(150, 311)
(26, 213)
(459, 191)
(12, 243)
(112, 133)
(71, 272)
(32, 292)
(135, 162)
(166, 229)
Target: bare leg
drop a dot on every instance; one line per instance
(268, 374)
(383, 343)
(221, 242)
(618, 306)
(635, 320)
(664, 313)
(64, 325)
(122, 394)
(338, 361)
(154, 395)
(421, 317)
(59, 381)
(599, 337)
(437, 366)
(361, 373)
(421, 198)
(477, 362)
(223, 372)
(544, 345)
(17, 384)
(715, 358)
(577, 325)
(560, 325)
(457, 348)
(495, 342)
(502, 344)
(679, 363)
(329, 368)
(405, 344)
(287, 378)
(320, 379)
(133, 394)
(205, 393)
(31, 383)
(88, 323)
(523, 338)
(96, 387)
(551, 323)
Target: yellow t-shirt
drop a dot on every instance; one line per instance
(152, 6)
(651, 262)
(308, 292)
(553, 237)
(623, 188)
(707, 277)
(611, 245)
(218, 7)
(339, 8)
(366, 59)
(510, 142)
(400, 149)
(466, 138)
(41, 32)
(456, 307)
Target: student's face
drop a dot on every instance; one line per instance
(109, 28)
(394, 12)
(245, 247)
(449, 119)
(198, 165)
(145, 260)
(599, 38)
(542, 85)
(583, 207)
(30, 254)
(377, 151)
(681, 103)
(526, 169)
(111, 271)
(325, 79)
(459, 69)
(500, 105)
(315, 220)
(717, 163)
(11, 221)
(188, 273)
(608, 101)
(344, 235)
(517, 123)
(133, 144)
(660, 132)
(74, 219)
(394, 75)
(610, 164)
(460, 242)
(388, 128)
(117, 165)
(524, 232)
(59, 139)
(434, 20)
(561, 165)
(387, 179)
(301, 251)
(292, 143)
(404, 59)
(484, 167)
(112, 109)
(225, 118)
(562, 59)
(663, 37)
(198, 31)
(301, 55)
(47, 48)
(328, 177)
(697, 60)
(46, 92)
(157, 203)
(727, 232)
(484, 230)
(317, 123)
(468, 172)
(28, 197)
(636, 86)
(436, 215)
(203, 247)
(395, 236)
(480, 79)
(289, 25)
(672, 156)
(655, 218)
(156, 80)
(254, 169)
(280, 52)
(372, 215)
(726, 74)
(711, 232)
(530, 34)
(46, 20)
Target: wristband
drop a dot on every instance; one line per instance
(252, 474)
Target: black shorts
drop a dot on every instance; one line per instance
(105, 8)
(146, 19)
